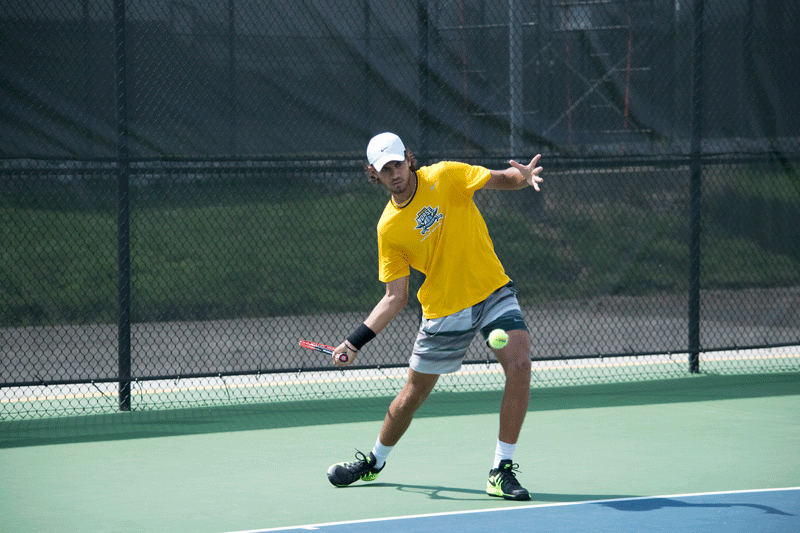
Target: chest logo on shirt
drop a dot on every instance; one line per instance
(428, 218)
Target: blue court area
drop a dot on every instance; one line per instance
(774, 510)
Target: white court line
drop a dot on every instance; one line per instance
(501, 509)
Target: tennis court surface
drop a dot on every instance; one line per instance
(745, 511)
(706, 453)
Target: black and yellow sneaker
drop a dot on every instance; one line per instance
(503, 482)
(343, 474)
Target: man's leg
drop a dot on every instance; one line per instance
(398, 418)
(516, 362)
(402, 409)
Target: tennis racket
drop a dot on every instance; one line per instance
(324, 348)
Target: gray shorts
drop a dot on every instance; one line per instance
(442, 342)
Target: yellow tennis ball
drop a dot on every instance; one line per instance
(498, 339)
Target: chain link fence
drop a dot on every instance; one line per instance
(182, 195)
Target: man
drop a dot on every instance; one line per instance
(431, 224)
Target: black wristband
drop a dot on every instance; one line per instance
(361, 336)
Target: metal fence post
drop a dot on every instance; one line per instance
(695, 189)
(123, 212)
(422, 113)
(515, 79)
(232, 141)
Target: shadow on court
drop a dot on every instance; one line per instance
(438, 492)
(147, 424)
(655, 504)
(434, 492)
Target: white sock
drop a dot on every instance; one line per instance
(503, 451)
(381, 452)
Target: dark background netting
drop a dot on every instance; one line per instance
(182, 192)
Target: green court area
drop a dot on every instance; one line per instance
(258, 466)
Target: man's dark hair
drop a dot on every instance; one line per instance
(412, 164)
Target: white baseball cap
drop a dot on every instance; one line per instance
(383, 148)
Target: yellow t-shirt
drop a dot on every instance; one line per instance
(441, 233)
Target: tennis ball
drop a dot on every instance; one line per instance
(498, 339)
